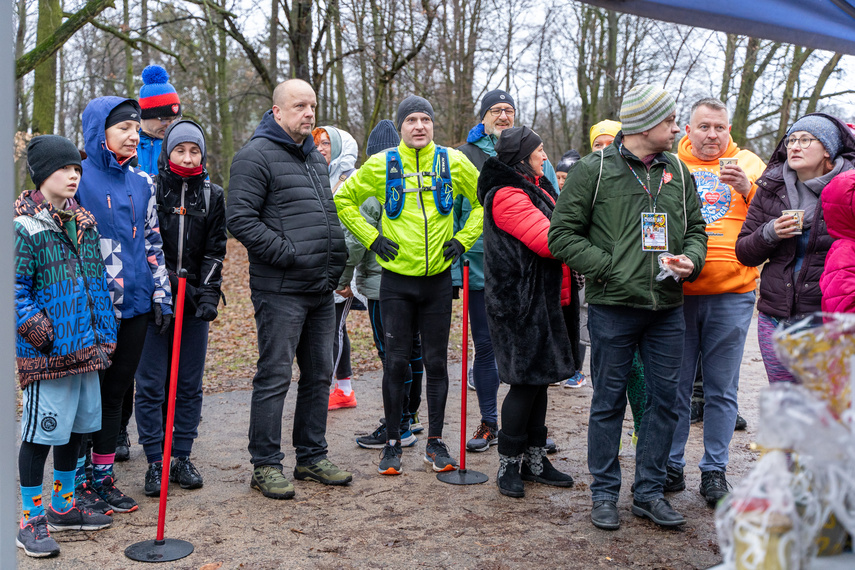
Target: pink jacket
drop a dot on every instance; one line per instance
(838, 279)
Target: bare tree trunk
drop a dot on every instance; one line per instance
(800, 56)
(300, 39)
(144, 52)
(611, 101)
(826, 72)
(23, 119)
(226, 126)
(44, 82)
(338, 70)
(751, 70)
(129, 57)
(727, 73)
(273, 43)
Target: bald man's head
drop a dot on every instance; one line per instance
(294, 105)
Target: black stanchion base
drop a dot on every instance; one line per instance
(165, 550)
(462, 477)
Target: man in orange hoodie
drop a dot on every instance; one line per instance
(719, 304)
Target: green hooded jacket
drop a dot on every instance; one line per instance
(596, 227)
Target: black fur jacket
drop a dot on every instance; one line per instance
(522, 290)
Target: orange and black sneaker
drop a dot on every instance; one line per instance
(485, 436)
(390, 460)
(437, 456)
(339, 400)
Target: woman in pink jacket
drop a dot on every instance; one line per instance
(838, 279)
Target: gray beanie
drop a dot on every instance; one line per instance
(48, 153)
(410, 105)
(644, 107)
(383, 136)
(184, 132)
(823, 129)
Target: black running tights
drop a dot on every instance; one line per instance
(33, 456)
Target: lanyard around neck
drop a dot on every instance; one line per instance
(643, 185)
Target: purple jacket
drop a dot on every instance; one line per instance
(783, 294)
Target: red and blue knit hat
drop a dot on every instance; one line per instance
(158, 97)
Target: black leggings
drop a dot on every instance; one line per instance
(410, 305)
(524, 408)
(33, 456)
(116, 380)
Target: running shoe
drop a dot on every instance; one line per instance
(377, 439)
(111, 494)
(485, 436)
(87, 498)
(415, 425)
(34, 538)
(338, 400)
(390, 460)
(76, 518)
(577, 381)
(437, 456)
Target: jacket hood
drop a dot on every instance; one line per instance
(348, 151)
(838, 205)
(163, 158)
(31, 203)
(94, 134)
(684, 151)
(269, 129)
(775, 167)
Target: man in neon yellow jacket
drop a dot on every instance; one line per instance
(416, 183)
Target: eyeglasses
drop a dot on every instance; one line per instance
(498, 112)
(168, 120)
(803, 142)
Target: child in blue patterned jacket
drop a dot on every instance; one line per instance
(66, 333)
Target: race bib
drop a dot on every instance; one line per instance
(654, 231)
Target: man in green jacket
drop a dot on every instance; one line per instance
(416, 183)
(632, 210)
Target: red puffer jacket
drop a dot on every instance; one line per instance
(514, 213)
(838, 278)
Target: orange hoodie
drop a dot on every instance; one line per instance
(724, 211)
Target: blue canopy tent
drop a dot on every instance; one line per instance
(822, 24)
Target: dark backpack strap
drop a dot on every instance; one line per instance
(443, 194)
(394, 184)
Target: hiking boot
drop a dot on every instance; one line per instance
(415, 425)
(604, 515)
(659, 511)
(377, 439)
(324, 471)
(338, 400)
(271, 482)
(123, 445)
(674, 480)
(437, 456)
(183, 472)
(741, 424)
(485, 436)
(508, 478)
(390, 460)
(76, 518)
(714, 486)
(86, 498)
(153, 479)
(536, 467)
(34, 538)
(696, 412)
(111, 494)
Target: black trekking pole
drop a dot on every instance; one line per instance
(463, 476)
(167, 549)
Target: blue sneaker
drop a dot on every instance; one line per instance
(577, 381)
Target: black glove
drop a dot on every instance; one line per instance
(452, 250)
(207, 311)
(386, 249)
(161, 319)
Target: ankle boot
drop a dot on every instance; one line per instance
(510, 459)
(536, 467)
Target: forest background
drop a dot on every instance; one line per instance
(567, 65)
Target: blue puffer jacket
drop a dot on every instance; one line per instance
(122, 199)
(148, 152)
(64, 315)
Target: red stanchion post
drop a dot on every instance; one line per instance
(161, 549)
(463, 476)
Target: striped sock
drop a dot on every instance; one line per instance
(80, 474)
(62, 498)
(31, 502)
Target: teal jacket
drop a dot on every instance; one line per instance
(360, 259)
(596, 227)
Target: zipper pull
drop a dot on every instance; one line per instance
(109, 205)
(135, 232)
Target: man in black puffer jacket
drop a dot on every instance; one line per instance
(280, 207)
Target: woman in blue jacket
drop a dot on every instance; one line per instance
(122, 199)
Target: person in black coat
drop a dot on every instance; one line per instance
(523, 299)
(192, 215)
(280, 207)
